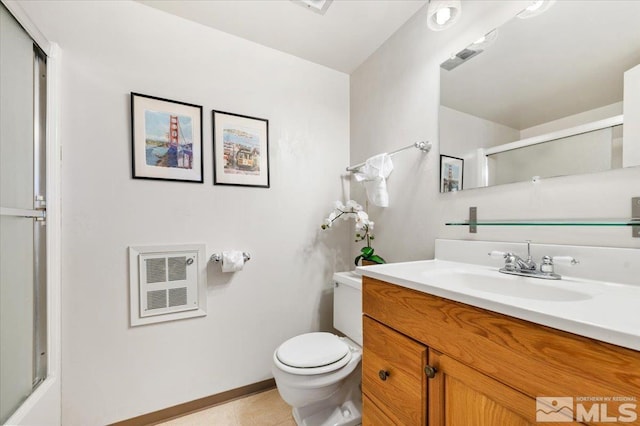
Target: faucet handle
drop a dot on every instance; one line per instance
(547, 262)
(498, 254)
(547, 265)
(565, 260)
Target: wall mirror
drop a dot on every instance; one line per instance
(544, 96)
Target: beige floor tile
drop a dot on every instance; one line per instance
(289, 422)
(262, 409)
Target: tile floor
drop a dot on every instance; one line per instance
(262, 409)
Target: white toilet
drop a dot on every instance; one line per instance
(319, 374)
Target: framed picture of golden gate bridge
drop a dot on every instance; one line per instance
(166, 139)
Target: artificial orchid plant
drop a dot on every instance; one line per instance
(364, 227)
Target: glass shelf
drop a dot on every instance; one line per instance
(633, 222)
(548, 222)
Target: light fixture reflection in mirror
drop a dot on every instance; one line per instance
(563, 69)
(485, 41)
(538, 7)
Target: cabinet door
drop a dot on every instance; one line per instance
(372, 415)
(392, 374)
(462, 396)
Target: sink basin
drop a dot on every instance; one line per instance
(507, 285)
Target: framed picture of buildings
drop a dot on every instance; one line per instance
(240, 150)
(451, 170)
(166, 138)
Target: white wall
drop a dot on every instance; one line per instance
(394, 101)
(113, 372)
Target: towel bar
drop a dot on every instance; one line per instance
(422, 146)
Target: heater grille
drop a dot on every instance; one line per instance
(178, 296)
(156, 271)
(177, 268)
(167, 283)
(156, 299)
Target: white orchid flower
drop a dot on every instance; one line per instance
(353, 205)
(363, 226)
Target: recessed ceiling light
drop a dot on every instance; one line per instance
(441, 14)
(317, 6)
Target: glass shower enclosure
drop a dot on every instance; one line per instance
(23, 327)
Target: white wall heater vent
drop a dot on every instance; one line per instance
(167, 283)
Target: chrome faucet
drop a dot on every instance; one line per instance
(516, 265)
(513, 262)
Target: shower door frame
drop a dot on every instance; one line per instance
(43, 406)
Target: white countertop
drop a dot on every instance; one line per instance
(605, 311)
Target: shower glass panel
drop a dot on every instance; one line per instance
(23, 325)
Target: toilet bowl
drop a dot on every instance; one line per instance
(319, 374)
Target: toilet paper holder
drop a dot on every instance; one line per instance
(217, 257)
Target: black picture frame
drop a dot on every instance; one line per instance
(451, 173)
(166, 139)
(240, 150)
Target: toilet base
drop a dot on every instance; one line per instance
(348, 414)
(343, 408)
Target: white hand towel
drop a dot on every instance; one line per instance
(374, 174)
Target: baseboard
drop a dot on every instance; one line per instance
(197, 405)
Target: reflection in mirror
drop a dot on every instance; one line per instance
(531, 79)
(594, 151)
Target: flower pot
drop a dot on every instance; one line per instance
(367, 262)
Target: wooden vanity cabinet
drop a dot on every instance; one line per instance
(489, 367)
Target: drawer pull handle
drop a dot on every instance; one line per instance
(430, 371)
(383, 374)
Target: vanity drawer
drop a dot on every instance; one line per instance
(393, 375)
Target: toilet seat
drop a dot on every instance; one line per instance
(312, 353)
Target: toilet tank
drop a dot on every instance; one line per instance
(347, 305)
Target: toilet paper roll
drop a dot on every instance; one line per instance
(232, 261)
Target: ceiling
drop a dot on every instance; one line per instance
(342, 39)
